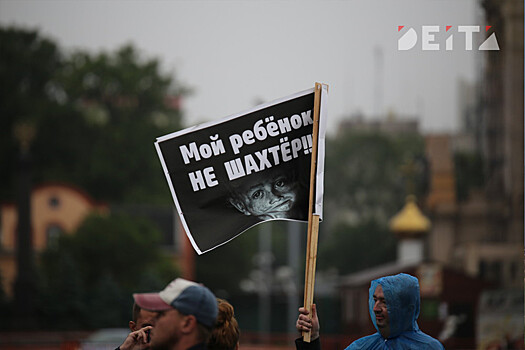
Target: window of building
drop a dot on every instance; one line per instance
(54, 202)
(496, 272)
(53, 232)
(482, 269)
(491, 271)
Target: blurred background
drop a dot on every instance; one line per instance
(424, 164)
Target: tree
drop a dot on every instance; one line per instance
(364, 175)
(365, 185)
(96, 117)
(88, 279)
(62, 292)
(124, 103)
(352, 248)
(223, 268)
(28, 64)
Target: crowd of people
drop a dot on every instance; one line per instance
(187, 316)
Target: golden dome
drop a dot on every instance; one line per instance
(410, 221)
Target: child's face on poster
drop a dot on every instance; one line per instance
(268, 198)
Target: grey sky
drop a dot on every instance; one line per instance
(235, 54)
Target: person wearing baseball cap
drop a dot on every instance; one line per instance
(186, 313)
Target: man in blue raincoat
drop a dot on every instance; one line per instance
(393, 304)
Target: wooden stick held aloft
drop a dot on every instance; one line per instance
(313, 220)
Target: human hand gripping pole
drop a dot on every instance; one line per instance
(313, 219)
(305, 323)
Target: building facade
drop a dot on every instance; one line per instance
(55, 209)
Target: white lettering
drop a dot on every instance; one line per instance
(273, 129)
(307, 119)
(468, 30)
(234, 169)
(251, 165)
(189, 153)
(296, 147)
(205, 150)
(296, 121)
(263, 159)
(197, 181)
(236, 142)
(275, 153)
(284, 125)
(209, 175)
(427, 38)
(260, 131)
(217, 146)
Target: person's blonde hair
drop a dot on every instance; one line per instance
(225, 335)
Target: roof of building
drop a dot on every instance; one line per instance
(410, 221)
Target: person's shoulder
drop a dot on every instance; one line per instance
(365, 342)
(434, 344)
(427, 342)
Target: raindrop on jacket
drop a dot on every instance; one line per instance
(402, 302)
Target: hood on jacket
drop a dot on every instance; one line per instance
(402, 302)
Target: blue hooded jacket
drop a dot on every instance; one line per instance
(402, 302)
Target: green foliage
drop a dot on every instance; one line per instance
(363, 175)
(95, 116)
(365, 185)
(121, 101)
(356, 247)
(223, 268)
(108, 304)
(120, 82)
(63, 298)
(87, 281)
(28, 64)
(280, 241)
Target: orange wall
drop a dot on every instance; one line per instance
(73, 207)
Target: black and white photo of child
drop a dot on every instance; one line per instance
(273, 194)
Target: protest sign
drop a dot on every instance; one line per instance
(251, 167)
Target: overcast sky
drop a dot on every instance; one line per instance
(235, 54)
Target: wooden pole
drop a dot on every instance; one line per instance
(313, 220)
